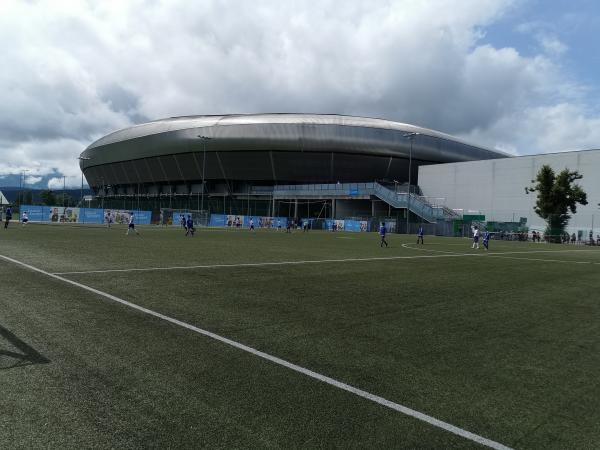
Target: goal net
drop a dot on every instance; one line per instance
(173, 217)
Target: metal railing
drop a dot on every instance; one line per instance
(419, 205)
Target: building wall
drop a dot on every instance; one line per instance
(496, 187)
(352, 208)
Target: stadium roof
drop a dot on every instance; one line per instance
(278, 148)
(187, 122)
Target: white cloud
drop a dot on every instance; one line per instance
(58, 183)
(32, 180)
(545, 37)
(43, 158)
(73, 71)
(552, 44)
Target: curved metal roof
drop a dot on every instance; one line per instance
(242, 144)
(189, 122)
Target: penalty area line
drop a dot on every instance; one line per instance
(281, 362)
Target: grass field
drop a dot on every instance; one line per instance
(504, 345)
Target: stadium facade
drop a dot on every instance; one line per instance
(236, 163)
(496, 188)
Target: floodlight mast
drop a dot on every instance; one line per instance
(203, 139)
(82, 158)
(21, 184)
(410, 136)
(64, 177)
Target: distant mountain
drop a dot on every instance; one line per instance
(12, 193)
(14, 181)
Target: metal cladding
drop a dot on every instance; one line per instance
(268, 149)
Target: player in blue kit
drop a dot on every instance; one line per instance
(420, 235)
(486, 239)
(7, 216)
(382, 232)
(189, 226)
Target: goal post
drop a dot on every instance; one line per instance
(172, 217)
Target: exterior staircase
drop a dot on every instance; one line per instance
(401, 200)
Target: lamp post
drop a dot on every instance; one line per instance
(82, 158)
(64, 189)
(410, 136)
(102, 184)
(106, 188)
(21, 183)
(203, 139)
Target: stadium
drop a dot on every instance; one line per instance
(258, 163)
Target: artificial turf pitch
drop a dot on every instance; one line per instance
(505, 345)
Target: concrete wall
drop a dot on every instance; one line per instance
(352, 208)
(496, 187)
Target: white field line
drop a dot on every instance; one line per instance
(143, 227)
(325, 379)
(262, 264)
(423, 249)
(463, 244)
(524, 258)
(440, 254)
(503, 255)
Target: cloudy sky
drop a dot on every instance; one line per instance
(519, 75)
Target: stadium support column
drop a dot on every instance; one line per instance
(203, 139)
(410, 136)
(333, 208)
(296, 209)
(372, 208)
(81, 159)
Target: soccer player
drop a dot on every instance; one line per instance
(251, 224)
(382, 232)
(108, 219)
(189, 226)
(182, 221)
(7, 216)
(278, 224)
(24, 218)
(420, 235)
(475, 238)
(131, 226)
(486, 239)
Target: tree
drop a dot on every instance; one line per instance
(557, 195)
(48, 197)
(27, 198)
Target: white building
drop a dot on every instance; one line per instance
(496, 187)
(3, 200)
